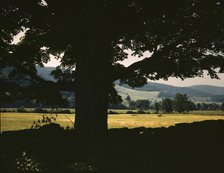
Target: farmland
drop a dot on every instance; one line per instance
(183, 148)
(17, 121)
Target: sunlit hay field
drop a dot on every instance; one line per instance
(18, 121)
(156, 120)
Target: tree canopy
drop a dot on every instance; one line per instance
(167, 105)
(184, 38)
(182, 103)
(186, 35)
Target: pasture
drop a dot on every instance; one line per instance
(17, 121)
(193, 147)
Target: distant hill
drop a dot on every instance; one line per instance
(153, 86)
(157, 91)
(213, 90)
(136, 94)
(201, 90)
(152, 91)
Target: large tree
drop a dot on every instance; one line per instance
(167, 105)
(184, 37)
(181, 103)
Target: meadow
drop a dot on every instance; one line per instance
(17, 121)
(193, 147)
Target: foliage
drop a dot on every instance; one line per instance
(114, 97)
(182, 103)
(131, 112)
(132, 104)
(142, 104)
(198, 106)
(27, 163)
(139, 104)
(89, 38)
(128, 98)
(112, 112)
(173, 31)
(213, 106)
(43, 121)
(222, 107)
(83, 167)
(157, 106)
(141, 112)
(208, 106)
(167, 105)
(21, 110)
(40, 110)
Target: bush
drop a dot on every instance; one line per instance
(40, 110)
(3, 110)
(142, 104)
(45, 120)
(21, 110)
(65, 111)
(60, 111)
(112, 112)
(141, 112)
(131, 112)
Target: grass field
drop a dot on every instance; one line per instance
(18, 121)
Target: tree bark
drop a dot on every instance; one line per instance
(91, 96)
(92, 73)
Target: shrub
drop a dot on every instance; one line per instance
(131, 112)
(141, 112)
(61, 111)
(112, 112)
(3, 110)
(21, 110)
(40, 110)
(45, 120)
(142, 104)
(66, 111)
(27, 163)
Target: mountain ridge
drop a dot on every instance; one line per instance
(214, 90)
(157, 91)
(45, 73)
(152, 91)
(154, 86)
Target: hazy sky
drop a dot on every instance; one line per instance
(206, 80)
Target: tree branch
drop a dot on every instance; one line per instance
(146, 62)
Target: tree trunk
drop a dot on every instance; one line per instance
(91, 97)
(92, 70)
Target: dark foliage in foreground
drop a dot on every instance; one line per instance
(196, 147)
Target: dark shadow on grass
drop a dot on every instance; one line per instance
(185, 148)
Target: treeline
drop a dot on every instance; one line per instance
(212, 98)
(180, 104)
(38, 110)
